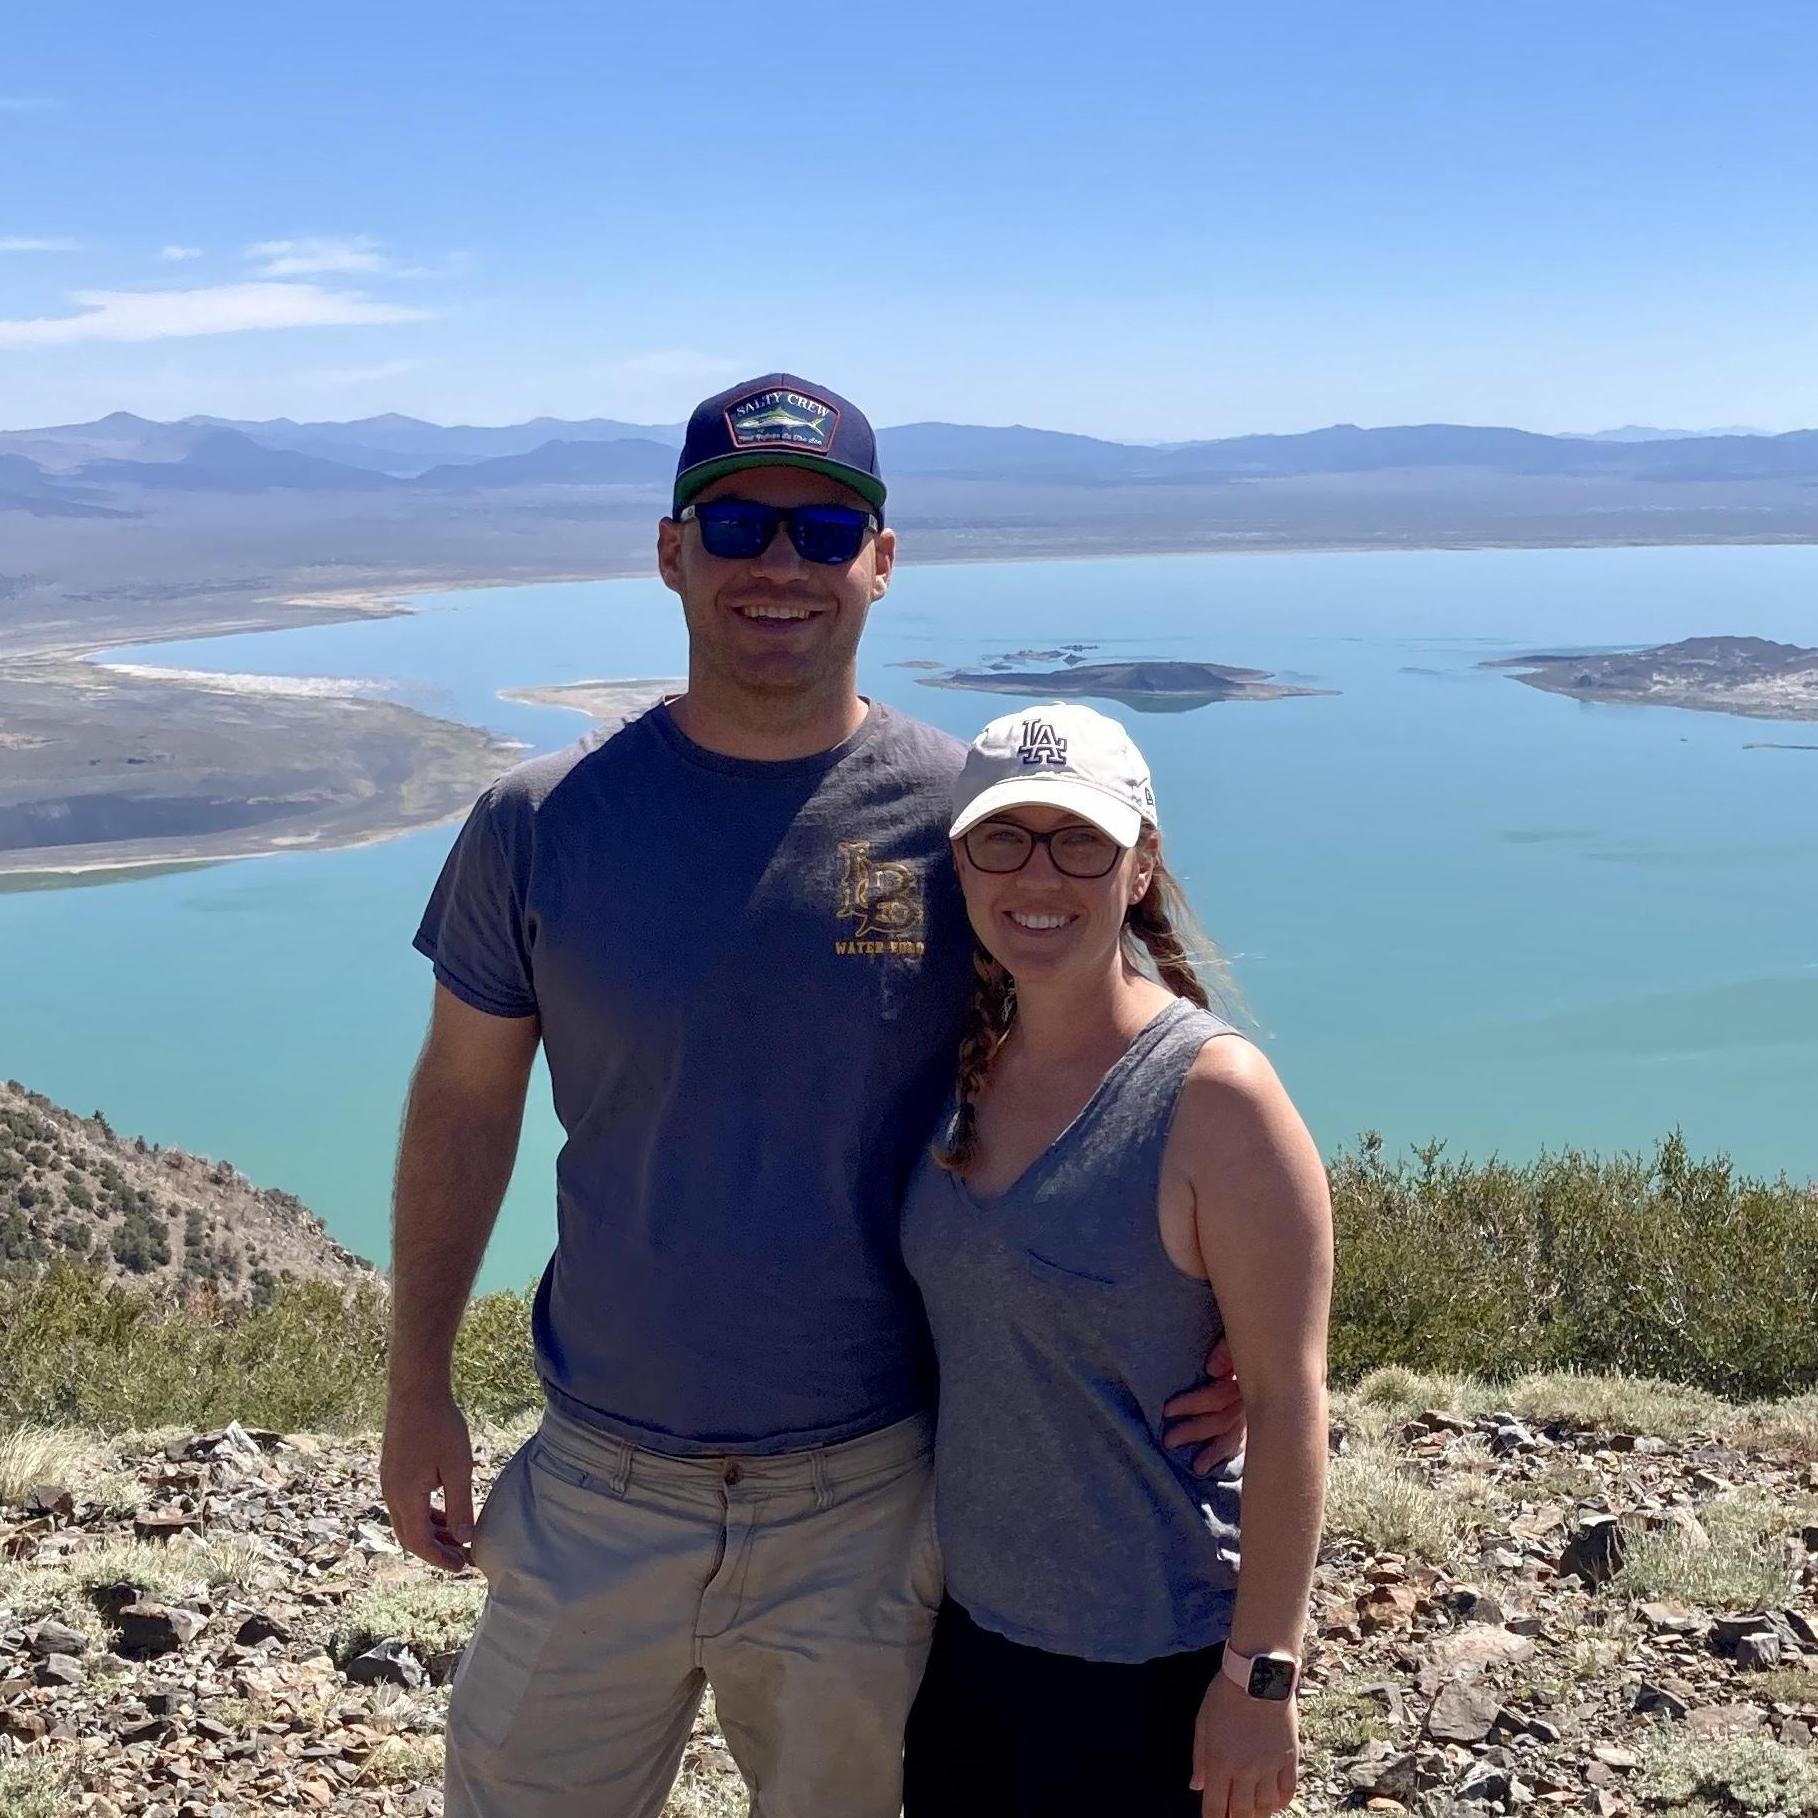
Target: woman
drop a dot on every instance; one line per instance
(1120, 1176)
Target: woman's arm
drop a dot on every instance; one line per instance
(1263, 1219)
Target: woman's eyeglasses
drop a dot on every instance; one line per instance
(738, 530)
(1001, 846)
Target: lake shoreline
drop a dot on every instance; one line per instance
(454, 760)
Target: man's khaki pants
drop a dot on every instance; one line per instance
(622, 1582)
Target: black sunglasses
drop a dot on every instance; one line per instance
(1077, 851)
(738, 530)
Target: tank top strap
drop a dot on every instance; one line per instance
(1134, 1109)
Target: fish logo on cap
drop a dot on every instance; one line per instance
(782, 419)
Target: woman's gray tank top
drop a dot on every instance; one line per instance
(1060, 1327)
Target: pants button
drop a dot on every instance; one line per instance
(733, 1474)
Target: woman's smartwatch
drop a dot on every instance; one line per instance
(1272, 1675)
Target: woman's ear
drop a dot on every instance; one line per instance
(1148, 855)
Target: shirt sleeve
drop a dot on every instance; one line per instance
(474, 929)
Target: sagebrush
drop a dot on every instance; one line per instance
(1661, 1267)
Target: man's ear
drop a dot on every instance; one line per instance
(669, 553)
(883, 556)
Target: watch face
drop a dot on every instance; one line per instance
(1271, 1678)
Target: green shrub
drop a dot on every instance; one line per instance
(76, 1349)
(1667, 1268)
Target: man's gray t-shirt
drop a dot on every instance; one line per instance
(752, 980)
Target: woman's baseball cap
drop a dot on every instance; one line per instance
(779, 421)
(1060, 756)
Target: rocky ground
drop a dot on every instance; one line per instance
(1589, 1595)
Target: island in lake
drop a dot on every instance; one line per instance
(1751, 676)
(1147, 687)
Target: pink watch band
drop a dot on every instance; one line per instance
(1236, 1667)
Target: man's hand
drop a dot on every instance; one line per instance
(1245, 1752)
(1211, 1417)
(427, 1449)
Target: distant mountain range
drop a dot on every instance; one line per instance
(89, 469)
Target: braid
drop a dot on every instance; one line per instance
(993, 1011)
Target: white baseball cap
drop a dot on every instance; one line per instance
(1059, 756)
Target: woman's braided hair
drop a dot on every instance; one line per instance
(1158, 928)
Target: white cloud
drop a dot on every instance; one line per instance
(317, 254)
(365, 375)
(19, 243)
(158, 315)
(179, 252)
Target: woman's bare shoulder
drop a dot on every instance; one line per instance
(1237, 1132)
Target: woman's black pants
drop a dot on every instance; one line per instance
(1000, 1730)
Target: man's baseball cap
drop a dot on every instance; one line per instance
(779, 421)
(1060, 756)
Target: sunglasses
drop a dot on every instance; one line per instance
(737, 530)
(1004, 846)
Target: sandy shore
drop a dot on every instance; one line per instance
(607, 703)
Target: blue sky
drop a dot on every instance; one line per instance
(1143, 222)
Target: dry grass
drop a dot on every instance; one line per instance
(709, 1785)
(1744, 1567)
(1379, 1402)
(1337, 1721)
(432, 1616)
(1372, 1498)
(400, 1760)
(61, 1587)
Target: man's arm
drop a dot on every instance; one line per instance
(461, 1124)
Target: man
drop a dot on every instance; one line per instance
(733, 927)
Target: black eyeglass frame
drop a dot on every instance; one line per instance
(1042, 839)
(847, 516)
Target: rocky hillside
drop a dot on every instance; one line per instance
(70, 1188)
(1590, 1595)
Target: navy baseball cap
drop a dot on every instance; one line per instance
(779, 421)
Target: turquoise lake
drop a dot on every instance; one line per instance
(1457, 907)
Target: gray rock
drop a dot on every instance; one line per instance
(1511, 1437)
(1804, 1630)
(1595, 1553)
(1398, 1777)
(1727, 1631)
(388, 1663)
(1485, 1782)
(1717, 1721)
(1670, 1619)
(59, 1669)
(1469, 1604)
(52, 1499)
(53, 1637)
(1757, 1653)
(155, 1628)
(261, 1626)
(1462, 1712)
(1648, 1698)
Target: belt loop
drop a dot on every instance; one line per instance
(620, 1480)
(823, 1491)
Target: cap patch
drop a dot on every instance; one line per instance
(1042, 744)
(782, 419)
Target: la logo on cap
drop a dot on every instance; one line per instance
(1042, 744)
(782, 419)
